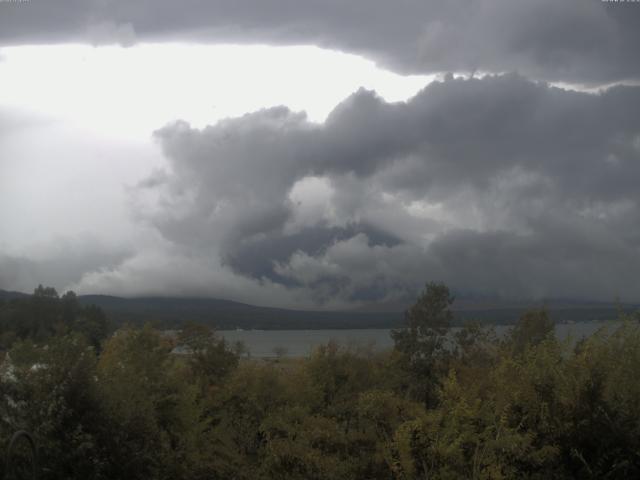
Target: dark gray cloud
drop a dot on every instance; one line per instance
(556, 260)
(498, 185)
(553, 262)
(571, 40)
(259, 257)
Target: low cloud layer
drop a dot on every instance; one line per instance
(60, 263)
(498, 185)
(576, 41)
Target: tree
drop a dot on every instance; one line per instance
(155, 419)
(208, 355)
(421, 343)
(51, 393)
(69, 306)
(45, 292)
(91, 322)
(532, 328)
(44, 314)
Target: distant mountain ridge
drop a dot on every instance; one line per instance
(170, 312)
(227, 314)
(9, 295)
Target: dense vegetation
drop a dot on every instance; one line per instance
(123, 406)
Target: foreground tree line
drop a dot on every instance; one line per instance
(436, 406)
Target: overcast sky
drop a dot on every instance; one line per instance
(331, 154)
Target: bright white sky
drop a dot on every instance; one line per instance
(131, 91)
(89, 113)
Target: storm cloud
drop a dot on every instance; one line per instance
(579, 41)
(499, 185)
(514, 175)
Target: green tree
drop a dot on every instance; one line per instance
(44, 314)
(533, 327)
(52, 394)
(422, 343)
(209, 357)
(155, 425)
(91, 322)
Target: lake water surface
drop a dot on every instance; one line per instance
(296, 343)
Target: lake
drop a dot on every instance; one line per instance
(297, 343)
